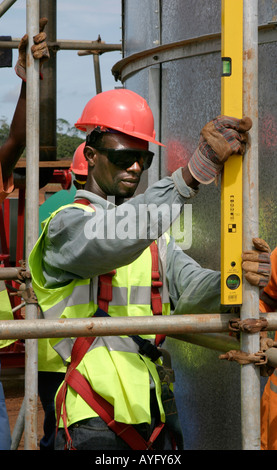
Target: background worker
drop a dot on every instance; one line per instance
(268, 303)
(79, 167)
(84, 265)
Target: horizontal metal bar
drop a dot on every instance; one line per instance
(10, 273)
(67, 44)
(192, 47)
(170, 325)
(173, 324)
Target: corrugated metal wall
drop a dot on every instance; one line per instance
(185, 94)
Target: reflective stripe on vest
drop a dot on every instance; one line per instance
(112, 343)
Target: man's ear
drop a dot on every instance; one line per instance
(90, 154)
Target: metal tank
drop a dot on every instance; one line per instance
(172, 57)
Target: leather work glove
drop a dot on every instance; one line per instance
(219, 138)
(256, 263)
(39, 50)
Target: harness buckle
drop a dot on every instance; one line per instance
(165, 371)
(157, 284)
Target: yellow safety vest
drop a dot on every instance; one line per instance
(113, 366)
(5, 312)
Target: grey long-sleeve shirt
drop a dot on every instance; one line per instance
(78, 246)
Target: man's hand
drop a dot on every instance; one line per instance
(256, 263)
(219, 138)
(39, 50)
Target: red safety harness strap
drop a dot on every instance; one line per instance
(102, 407)
(85, 202)
(105, 290)
(156, 300)
(78, 351)
(106, 411)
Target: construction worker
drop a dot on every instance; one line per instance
(10, 152)
(268, 303)
(117, 393)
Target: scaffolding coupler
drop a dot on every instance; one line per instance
(165, 371)
(16, 273)
(19, 274)
(266, 357)
(249, 325)
(259, 358)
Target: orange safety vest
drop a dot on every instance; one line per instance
(268, 303)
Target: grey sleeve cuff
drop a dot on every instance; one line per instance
(181, 186)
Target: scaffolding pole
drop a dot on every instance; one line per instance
(68, 45)
(250, 374)
(32, 218)
(114, 326)
(5, 5)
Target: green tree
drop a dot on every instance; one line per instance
(4, 130)
(68, 138)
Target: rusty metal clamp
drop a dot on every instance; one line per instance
(243, 358)
(27, 293)
(265, 358)
(269, 347)
(165, 371)
(23, 274)
(249, 325)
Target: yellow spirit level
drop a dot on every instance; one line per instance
(231, 181)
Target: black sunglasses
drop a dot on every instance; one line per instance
(125, 158)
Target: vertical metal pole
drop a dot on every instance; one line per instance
(250, 374)
(32, 220)
(97, 73)
(48, 94)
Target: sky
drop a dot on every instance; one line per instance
(76, 20)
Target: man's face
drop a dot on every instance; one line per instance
(110, 178)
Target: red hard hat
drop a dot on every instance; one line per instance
(79, 165)
(122, 110)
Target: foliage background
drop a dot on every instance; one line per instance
(68, 138)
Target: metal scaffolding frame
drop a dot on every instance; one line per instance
(207, 326)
